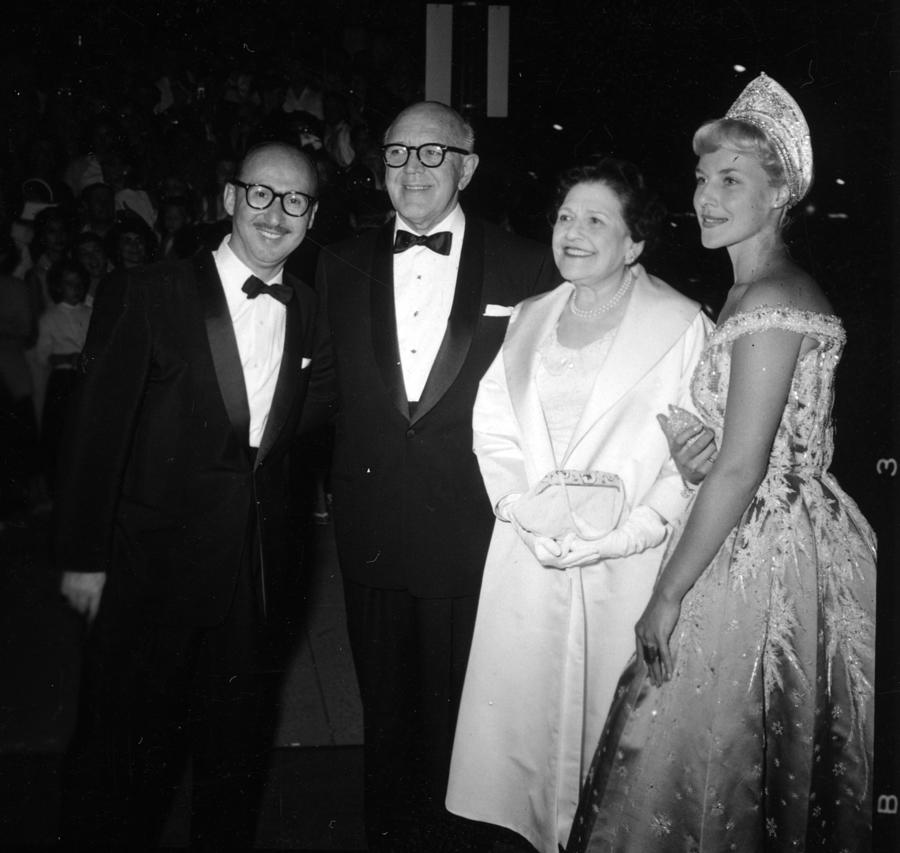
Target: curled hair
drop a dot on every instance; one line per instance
(745, 137)
(642, 210)
(57, 273)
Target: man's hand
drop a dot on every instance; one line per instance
(83, 591)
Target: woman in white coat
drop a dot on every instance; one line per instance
(577, 386)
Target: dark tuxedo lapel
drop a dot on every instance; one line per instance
(223, 346)
(384, 318)
(462, 322)
(288, 377)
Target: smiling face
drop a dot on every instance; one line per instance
(263, 239)
(591, 241)
(734, 199)
(92, 256)
(72, 288)
(133, 249)
(424, 196)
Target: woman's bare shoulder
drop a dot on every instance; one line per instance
(789, 287)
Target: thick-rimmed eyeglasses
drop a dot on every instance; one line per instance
(259, 197)
(430, 154)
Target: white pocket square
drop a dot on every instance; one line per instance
(498, 310)
(304, 363)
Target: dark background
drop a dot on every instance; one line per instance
(632, 78)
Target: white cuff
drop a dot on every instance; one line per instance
(504, 505)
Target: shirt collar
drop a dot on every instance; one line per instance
(454, 222)
(233, 272)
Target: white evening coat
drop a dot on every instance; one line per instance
(549, 646)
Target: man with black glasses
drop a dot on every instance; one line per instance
(169, 527)
(417, 311)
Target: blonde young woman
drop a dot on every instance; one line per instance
(745, 721)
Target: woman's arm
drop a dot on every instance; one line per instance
(762, 367)
(668, 494)
(497, 443)
(693, 450)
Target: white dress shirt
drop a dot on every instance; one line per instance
(259, 328)
(62, 331)
(424, 285)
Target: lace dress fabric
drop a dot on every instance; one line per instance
(565, 380)
(762, 741)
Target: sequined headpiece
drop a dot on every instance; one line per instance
(766, 105)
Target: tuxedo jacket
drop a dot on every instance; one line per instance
(157, 477)
(410, 506)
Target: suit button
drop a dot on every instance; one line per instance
(410, 433)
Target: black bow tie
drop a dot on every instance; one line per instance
(254, 286)
(439, 242)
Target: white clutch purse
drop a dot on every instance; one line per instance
(586, 503)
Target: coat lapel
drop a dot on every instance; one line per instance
(288, 378)
(655, 319)
(223, 346)
(535, 321)
(384, 318)
(461, 323)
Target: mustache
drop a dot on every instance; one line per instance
(262, 226)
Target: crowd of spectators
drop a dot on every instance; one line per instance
(108, 169)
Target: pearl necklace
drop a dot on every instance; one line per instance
(614, 300)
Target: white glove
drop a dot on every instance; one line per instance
(503, 510)
(643, 529)
(546, 551)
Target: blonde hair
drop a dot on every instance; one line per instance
(744, 137)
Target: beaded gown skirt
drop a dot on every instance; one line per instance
(762, 740)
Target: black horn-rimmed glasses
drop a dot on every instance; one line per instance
(430, 154)
(259, 197)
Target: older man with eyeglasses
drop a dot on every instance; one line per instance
(170, 521)
(416, 312)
